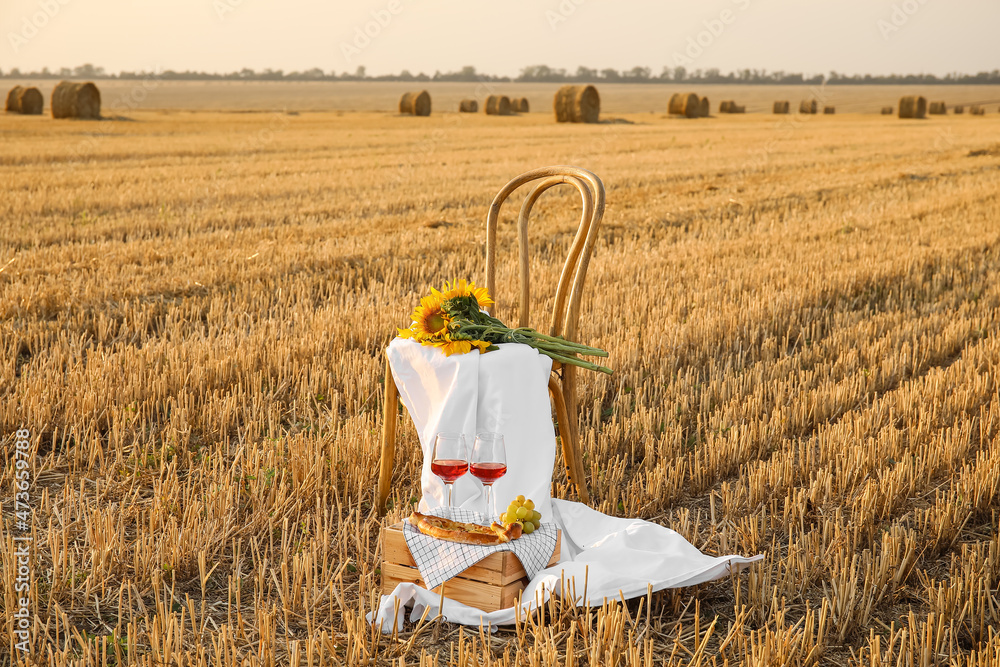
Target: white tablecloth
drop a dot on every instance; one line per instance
(507, 391)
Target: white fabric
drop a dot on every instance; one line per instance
(507, 391)
(504, 391)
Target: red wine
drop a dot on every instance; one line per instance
(487, 473)
(449, 469)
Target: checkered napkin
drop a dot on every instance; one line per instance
(440, 560)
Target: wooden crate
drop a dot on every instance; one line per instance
(491, 584)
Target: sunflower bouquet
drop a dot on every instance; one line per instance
(453, 319)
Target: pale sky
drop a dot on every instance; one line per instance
(814, 37)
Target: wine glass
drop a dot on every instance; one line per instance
(489, 461)
(450, 459)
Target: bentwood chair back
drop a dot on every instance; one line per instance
(565, 313)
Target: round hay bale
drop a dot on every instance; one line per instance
(725, 106)
(911, 106)
(737, 108)
(694, 110)
(417, 103)
(887, 111)
(937, 109)
(808, 106)
(577, 104)
(497, 105)
(704, 108)
(12, 99)
(959, 108)
(977, 110)
(76, 100)
(781, 107)
(675, 105)
(684, 104)
(30, 101)
(829, 111)
(468, 106)
(519, 104)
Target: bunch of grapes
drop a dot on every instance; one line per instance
(523, 512)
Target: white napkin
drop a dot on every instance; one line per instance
(440, 560)
(606, 557)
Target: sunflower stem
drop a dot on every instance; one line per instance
(573, 361)
(567, 348)
(593, 351)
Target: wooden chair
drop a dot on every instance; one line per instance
(565, 312)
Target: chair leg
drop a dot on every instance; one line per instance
(390, 410)
(560, 405)
(570, 441)
(569, 395)
(581, 475)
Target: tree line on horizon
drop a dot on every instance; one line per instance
(533, 73)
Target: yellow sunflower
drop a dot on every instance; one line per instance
(429, 320)
(463, 288)
(451, 347)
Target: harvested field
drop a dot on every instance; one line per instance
(803, 316)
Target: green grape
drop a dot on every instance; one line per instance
(529, 528)
(520, 500)
(536, 516)
(529, 504)
(521, 512)
(510, 517)
(512, 507)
